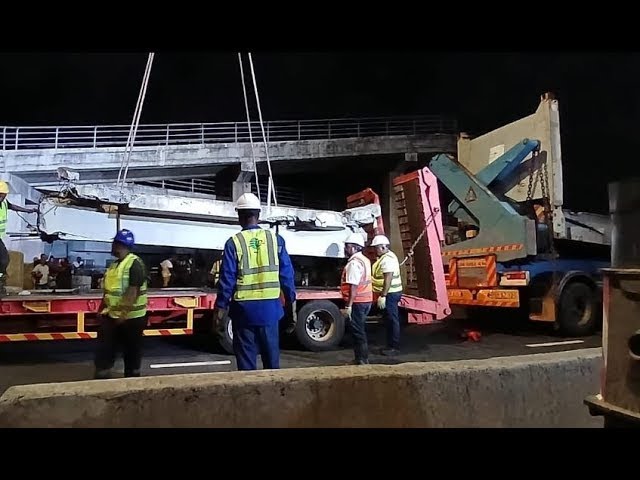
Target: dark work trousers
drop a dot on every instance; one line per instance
(392, 320)
(4, 258)
(248, 341)
(359, 312)
(126, 335)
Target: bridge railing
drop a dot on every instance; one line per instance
(89, 137)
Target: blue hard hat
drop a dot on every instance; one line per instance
(125, 237)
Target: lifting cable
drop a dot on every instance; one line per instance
(124, 166)
(271, 190)
(246, 106)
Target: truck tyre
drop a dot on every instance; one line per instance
(578, 310)
(225, 337)
(320, 326)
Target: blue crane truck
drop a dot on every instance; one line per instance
(511, 244)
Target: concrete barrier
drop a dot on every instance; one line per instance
(544, 390)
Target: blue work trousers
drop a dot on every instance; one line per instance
(392, 320)
(248, 341)
(359, 312)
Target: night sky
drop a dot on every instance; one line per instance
(599, 95)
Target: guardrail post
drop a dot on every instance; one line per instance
(329, 129)
(358, 128)
(17, 130)
(235, 131)
(299, 136)
(95, 137)
(55, 145)
(4, 138)
(202, 127)
(267, 132)
(167, 139)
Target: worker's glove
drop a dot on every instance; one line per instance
(219, 314)
(346, 311)
(382, 303)
(292, 311)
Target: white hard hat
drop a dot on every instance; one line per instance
(356, 239)
(248, 201)
(380, 240)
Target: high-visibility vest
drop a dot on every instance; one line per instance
(116, 283)
(3, 217)
(258, 265)
(364, 293)
(377, 280)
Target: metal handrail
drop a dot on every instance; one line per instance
(101, 136)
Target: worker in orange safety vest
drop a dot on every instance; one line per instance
(357, 294)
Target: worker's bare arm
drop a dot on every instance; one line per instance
(352, 295)
(18, 208)
(387, 284)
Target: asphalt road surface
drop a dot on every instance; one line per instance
(61, 361)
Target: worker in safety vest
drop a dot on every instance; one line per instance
(357, 294)
(123, 309)
(214, 273)
(255, 269)
(5, 206)
(387, 288)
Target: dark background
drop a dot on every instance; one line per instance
(599, 95)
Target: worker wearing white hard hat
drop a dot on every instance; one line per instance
(387, 288)
(255, 271)
(5, 206)
(357, 294)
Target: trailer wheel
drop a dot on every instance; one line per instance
(320, 326)
(578, 312)
(225, 335)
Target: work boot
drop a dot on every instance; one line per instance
(102, 374)
(390, 352)
(361, 362)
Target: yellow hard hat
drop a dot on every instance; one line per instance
(4, 187)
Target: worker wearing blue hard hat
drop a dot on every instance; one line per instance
(255, 271)
(123, 310)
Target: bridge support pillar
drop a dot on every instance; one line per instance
(242, 184)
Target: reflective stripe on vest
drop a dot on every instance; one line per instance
(364, 293)
(3, 217)
(116, 283)
(258, 265)
(377, 276)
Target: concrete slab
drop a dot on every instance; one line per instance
(543, 390)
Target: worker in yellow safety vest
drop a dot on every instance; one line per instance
(357, 294)
(387, 288)
(255, 270)
(214, 273)
(5, 206)
(123, 309)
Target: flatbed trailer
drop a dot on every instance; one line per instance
(318, 322)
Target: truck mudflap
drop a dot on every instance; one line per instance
(420, 221)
